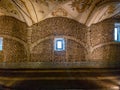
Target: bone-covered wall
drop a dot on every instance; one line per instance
(42, 40)
(22, 43)
(14, 36)
(103, 46)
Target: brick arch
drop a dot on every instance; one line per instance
(46, 45)
(44, 33)
(58, 26)
(103, 44)
(20, 41)
(52, 37)
(106, 52)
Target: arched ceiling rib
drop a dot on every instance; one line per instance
(104, 10)
(85, 11)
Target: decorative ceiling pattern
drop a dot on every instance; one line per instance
(85, 11)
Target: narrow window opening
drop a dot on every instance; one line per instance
(59, 44)
(1, 43)
(117, 32)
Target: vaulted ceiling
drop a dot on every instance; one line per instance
(84, 11)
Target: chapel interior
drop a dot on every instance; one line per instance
(59, 44)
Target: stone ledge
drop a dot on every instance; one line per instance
(55, 65)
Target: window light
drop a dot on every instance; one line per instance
(1, 43)
(59, 44)
(117, 32)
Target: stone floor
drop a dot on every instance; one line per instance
(60, 78)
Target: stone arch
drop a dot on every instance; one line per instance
(19, 41)
(51, 37)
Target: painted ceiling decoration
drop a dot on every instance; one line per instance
(87, 12)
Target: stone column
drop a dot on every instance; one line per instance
(29, 33)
